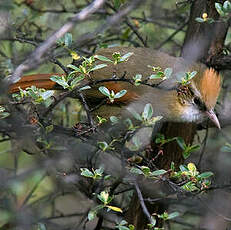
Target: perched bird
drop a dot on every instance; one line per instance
(191, 101)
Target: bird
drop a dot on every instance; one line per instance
(192, 101)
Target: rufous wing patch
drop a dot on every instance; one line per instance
(38, 80)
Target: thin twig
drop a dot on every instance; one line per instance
(140, 196)
(37, 55)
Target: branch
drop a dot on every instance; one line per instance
(141, 199)
(36, 57)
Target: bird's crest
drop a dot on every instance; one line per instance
(209, 85)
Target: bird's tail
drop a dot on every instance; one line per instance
(38, 80)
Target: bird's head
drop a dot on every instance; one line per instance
(197, 100)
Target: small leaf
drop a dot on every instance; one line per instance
(116, 209)
(49, 128)
(68, 39)
(86, 172)
(136, 171)
(219, 9)
(103, 145)
(102, 58)
(77, 80)
(173, 215)
(104, 91)
(181, 143)
(155, 76)
(41, 226)
(226, 148)
(135, 114)
(227, 6)
(168, 72)
(158, 172)
(85, 87)
(114, 119)
(145, 170)
(205, 175)
(201, 20)
(148, 111)
(120, 93)
(123, 222)
(117, 4)
(60, 80)
(186, 154)
(100, 66)
(192, 167)
(74, 68)
(74, 55)
(104, 197)
(91, 215)
(99, 171)
(183, 168)
(193, 74)
(126, 56)
(47, 94)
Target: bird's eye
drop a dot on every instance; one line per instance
(197, 101)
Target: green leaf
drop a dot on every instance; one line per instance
(116, 209)
(77, 80)
(173, 215)
(145, 170)
(104, 91)
(47, 94)
(60, 80)
(104, 197)
(205, 175)
(201, 20)
(191, 167)
(103, 145)
(193, 74)
(183, 168)
(120, 93)
(49, 128)
(122, 228)
(158, 172)
(86, 172)
(114, 119)
(226, 148)
(41, 226)
(117, 4)
(102, 58)
(186, 154)
(181, 143)
(99, 171)
(85, 87)
(126, 56)
(74, 68)
(219, 9)
(227, 6)
(148, 111)
(91, 215)
(100, 66)
(158, 75)
(135, 114)
(68, 39)
(168, 72)
(136, 171)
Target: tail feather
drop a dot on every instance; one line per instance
(38, 80)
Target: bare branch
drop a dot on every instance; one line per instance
(36, 57)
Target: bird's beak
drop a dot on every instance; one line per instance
(213, 117)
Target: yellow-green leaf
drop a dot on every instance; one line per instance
(116, 209)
